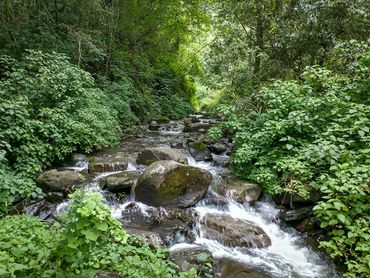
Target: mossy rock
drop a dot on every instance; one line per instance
(171, 184)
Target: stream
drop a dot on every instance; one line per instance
(288, 255)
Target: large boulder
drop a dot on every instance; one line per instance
(150, 155)
(242, 191)
(120, 182)
(171, 184)
(295, 214)
(233, 232)
(168, 224)
(60, 181)
(229, 268)
(199, 151)
(112, 163)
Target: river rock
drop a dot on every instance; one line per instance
(191, 257)
(153, 239)
(150, 155)
(218, 148)
(295, 214)
(60, 181)
(168, 224)
(199, 151)
(234, 232)
(229, 268)
(293, 200)
(242, 191)
(171, 184)
(197, 127)
(120, 182)
(113, 163)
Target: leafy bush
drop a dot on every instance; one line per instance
(26, 246)
(48, 109)
(314, 134)
(88, 239)
(97, 241)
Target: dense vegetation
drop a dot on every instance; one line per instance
(88, 238)
(291, 78)
(294, 85)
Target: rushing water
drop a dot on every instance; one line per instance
(286, 257)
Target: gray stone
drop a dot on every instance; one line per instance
(242, 191)
(150, 155)
(218, 148)
(120, 182)
(171, 184)
(154, 240)
(234, 232)
(191, 257)
(199, 151)
(295, 214)
(60, 181)
(229, 268)
(113, 163)
(168, 224)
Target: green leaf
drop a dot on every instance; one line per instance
(341, 217)
(91, 235)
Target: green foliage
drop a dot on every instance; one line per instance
(26, 246)
(49, 109)
(97, 241)
(88, 239)
(314, 134)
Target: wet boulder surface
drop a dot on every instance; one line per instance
(170, 184)
(150, 155)
(234, 232)
(65, 181)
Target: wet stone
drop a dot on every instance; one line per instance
(170, 184)
(112, 163)
(233, 232)
(191, 257)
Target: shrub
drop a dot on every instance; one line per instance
(26, 247)
(48, 109)
(314, 134)
(97, 241)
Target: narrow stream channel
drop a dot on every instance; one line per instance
(288, 256)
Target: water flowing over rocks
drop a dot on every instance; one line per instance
(234, 232)
(117, 162)
(60, 181)
(200, 151)
(150, 155)
(168, 224)
(120, 182)
(196, 208)
(242, 191)
(171, 184)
